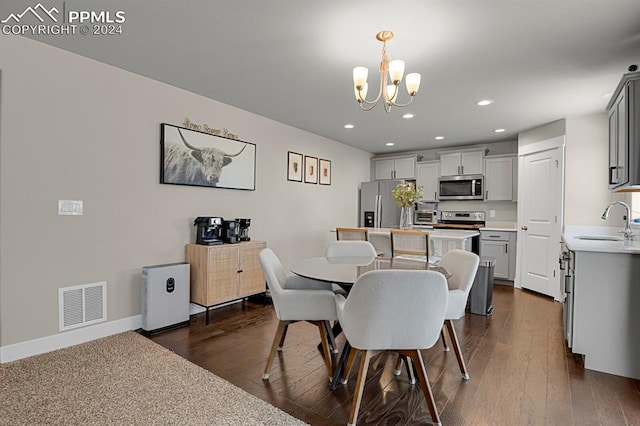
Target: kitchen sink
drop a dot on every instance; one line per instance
(598, 238)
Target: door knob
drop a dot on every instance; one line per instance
(524, 228)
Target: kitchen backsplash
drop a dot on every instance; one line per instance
(505, 211)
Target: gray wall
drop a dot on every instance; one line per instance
(73, 128)
(586, 164)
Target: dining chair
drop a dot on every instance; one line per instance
(298, 299)
(410, 244)
(397, 310)
(343, 233)
(350, 249)
(462, 267)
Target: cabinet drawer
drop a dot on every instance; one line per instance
(494, 235)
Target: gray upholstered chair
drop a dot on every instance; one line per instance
(348, 248)
(398, 310)
(463, 266)
(298, 299)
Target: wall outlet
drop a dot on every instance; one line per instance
(492, 213)
(69, 207)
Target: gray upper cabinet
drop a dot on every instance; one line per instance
(394, 168)
(624, 134)
(462, 163)
(427, 174)
(500, 178)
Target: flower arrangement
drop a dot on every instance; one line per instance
(406, 194)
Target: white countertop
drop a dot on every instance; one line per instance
(571, 234)
(442, 234)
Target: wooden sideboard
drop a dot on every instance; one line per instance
(226, 272)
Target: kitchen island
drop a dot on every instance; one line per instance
(440, 240)
(604, 292)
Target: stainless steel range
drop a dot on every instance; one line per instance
(460, 220)
(464, 221)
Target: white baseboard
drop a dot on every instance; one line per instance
(68, 338)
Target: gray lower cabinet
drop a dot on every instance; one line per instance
(500, 245)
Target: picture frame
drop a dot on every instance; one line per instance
(294, 166)
(310, 169)
(325, 172)
(193, 158)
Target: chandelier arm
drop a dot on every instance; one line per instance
(403, 105)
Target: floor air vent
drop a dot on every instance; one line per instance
(82, 305)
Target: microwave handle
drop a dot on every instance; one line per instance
(473, 187)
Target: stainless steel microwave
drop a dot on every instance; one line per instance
(462, 187)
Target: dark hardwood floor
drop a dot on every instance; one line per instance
(521, 371)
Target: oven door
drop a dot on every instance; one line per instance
(461, 188)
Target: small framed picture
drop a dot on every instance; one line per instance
(294, 167)
(310, 169)
(325, 172)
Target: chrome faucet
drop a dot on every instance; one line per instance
(627, 232)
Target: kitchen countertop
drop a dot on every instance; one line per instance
(443, 234)
(571, 234)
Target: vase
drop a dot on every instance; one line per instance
(406, 217)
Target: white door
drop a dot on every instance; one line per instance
(427, 176)
(540, 217)
(405, 168)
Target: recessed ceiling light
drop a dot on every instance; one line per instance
(408, 115)
(484, 102)
(348, 126)
(500, 130)
(439, 138)
(390, 144)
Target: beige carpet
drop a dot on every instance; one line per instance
(124, 379)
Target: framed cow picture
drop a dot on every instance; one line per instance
(194, 158)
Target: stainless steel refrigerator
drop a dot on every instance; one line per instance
(378, 209)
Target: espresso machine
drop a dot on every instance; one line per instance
(209, 230)
(230, 231)
(244, 228)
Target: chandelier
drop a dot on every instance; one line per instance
(395, 70)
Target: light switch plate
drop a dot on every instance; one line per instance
(69, 207)
(492, 213)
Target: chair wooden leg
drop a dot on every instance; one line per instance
(357, 396)
(444, 341)
(326, 352)
(278, 340)
(284, 334)
(456, 348)
(347, 367)
(416, 357)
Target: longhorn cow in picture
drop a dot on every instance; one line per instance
(188, 165)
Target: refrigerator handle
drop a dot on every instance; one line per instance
(378, 211)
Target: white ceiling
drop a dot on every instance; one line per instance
(291, 61)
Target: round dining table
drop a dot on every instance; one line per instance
(344, 271)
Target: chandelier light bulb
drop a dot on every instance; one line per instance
(413, 83)
(360, 75)
(392, 93)
(396, 71)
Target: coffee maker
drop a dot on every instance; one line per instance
(244, 228)
(209, 230)
(230, 231)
